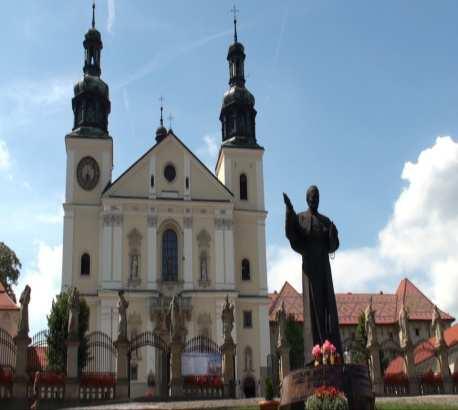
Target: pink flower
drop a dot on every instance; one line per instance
(327, 346)
(316, 351)
(333, 348)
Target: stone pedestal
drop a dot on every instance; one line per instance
(228, 351)
(72, 385)
(442, 355)
(375, 369)
(21, 377)
(410, 370)
(176, 380)
(283, 365)
(122, 382)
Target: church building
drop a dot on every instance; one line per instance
(168, 225)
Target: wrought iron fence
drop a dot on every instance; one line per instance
(98, 376)
(201, 344)
(7, 363)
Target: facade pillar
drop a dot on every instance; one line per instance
(375, 369)
(176, 379)
(67, 253)
(152, 251)
(117, 249)
(229, 278)
(219, 253)
(107, 246)
(188, 245)
(21, 377)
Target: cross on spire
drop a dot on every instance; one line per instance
(234, 10)
(161, 99)
(170, 118)
(93, 14)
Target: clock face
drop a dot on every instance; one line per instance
(88, 173)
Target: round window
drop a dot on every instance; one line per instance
(170, 172)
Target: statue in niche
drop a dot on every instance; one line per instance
(437, 327)
(24, 300)
(134, 262)
(123, 304)
(203, 267)
(73, 314)
(315, 236)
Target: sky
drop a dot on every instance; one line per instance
(357, 97)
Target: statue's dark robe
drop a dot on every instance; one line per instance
(309, 235)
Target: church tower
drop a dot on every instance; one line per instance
(89, 150)
(240, 168)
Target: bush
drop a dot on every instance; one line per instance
(269, 389)
(327, 398)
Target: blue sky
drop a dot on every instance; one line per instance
(347, 94)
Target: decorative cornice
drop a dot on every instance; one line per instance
(112, 220)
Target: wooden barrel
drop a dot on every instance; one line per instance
(352, 379)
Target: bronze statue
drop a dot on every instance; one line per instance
(315, 236)
(24, 300)
(123, 304)
(73, 314)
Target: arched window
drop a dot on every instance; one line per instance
(169, 255)
(246, 275)
(243, 187)
(85, 264)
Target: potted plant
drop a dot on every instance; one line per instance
(327, 398)
(269, 403)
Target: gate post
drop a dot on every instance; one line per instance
(228, 351)
(22, 341)
(122, 344)
(72, 385)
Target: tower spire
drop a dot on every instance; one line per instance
(93, 14)
(161, 131)
(235, 11)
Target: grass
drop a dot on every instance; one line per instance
(424, 406)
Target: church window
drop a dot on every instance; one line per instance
(246, 275)
(85, 264)
(243, 187)
(169, 256)
(247, 319)
(248, 358)
(170, 172)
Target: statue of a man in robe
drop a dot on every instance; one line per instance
(403, 322)
(369, 315)
(227, 316)
(73, 315)
(437, 327)
(315, 236)
(24, 300)
(123, 304)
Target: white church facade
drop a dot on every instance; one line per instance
(168, 225)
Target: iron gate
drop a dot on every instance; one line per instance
(7, 363)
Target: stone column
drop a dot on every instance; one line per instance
(188, 244)
(442, 355)
(72, 381)
(122, 384)
(176, 380)
(410, 369)
(375, 369)
(21, 377)
(228, 353)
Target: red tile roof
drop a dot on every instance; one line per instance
(350, 305)
(5, 301)
(423, 351)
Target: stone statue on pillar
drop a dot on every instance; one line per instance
(437, 327)
(23, 324)
(123, 304)
(373, 349)
(73, 316)
(407, 347)
(228, 349)
(403, 322)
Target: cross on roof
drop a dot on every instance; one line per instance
(234, 10)
(170, 118)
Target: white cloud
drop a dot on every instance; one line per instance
(111, 5)
(44, 279)
(419, 240)
(283, 264)
(5, 159)
(208, 151)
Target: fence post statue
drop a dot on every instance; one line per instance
(228, 349)
(408, 350)
(282, 344)
(122, 344)
(373, 349)
(22, 341)
(176, 347)
(73, 343)
(437, 328)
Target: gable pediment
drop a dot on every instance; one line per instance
(169, 170)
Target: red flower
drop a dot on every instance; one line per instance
(398, 379)
(327, 391)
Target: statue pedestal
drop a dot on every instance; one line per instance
(122, 383)
(352, 379)
(228, 353)
(72, 384)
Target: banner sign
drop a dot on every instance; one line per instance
(200, 364)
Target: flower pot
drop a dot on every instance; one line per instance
(269, 405)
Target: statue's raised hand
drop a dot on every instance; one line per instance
(288, 203)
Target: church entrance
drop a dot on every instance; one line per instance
(149, 367)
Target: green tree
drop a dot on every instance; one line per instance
(295, 339)
(360, 353)
(9, 269)
(58, 332)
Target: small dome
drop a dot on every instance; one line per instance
(91, 84)
(93, 34)
(235, 48)
(237, 94)
(161, 133)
